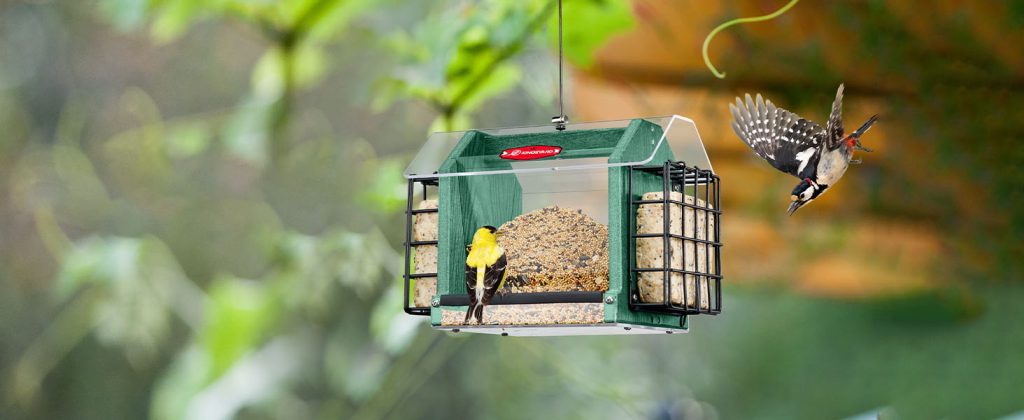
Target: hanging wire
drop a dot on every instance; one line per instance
(561, 119)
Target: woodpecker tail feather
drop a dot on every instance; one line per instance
(469, 313)
(864, 127)
(860, 132)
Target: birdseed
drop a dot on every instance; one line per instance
(555, 249)
(531, 314)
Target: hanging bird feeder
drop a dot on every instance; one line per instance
(609, 227)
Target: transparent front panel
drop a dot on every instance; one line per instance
(584, 189)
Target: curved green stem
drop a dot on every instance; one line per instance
(707, 41)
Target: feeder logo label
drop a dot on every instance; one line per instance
(530, 152)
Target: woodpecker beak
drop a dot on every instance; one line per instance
(794, 206)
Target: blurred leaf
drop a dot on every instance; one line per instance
(239, 314)
(337, 17)
(246, 134)
(136, 157)
(254, 379)
(498, 82)
(185, 377)
(174, 17)
(85, 197)
(138, 277)
(588, 25)
(354, 368)
(125, 14)
(304, 267)
(386, 192)
(356, 259)
(457, 122)
(187, 139)
(457, 59)
(391, 327)
(307, 64)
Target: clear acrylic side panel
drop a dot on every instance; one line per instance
(683, 138)
(584, 189)
(553, 226)
(679, 132)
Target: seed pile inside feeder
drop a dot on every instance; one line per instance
(555, 249)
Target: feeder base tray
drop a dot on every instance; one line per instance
(561, 330)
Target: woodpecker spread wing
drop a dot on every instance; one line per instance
(834, 128)
(786, 141)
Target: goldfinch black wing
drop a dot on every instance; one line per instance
(494, 275)
(471, 284)
(471, 279)
(787, 141)
(475, 308)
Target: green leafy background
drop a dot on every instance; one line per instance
(200, 218)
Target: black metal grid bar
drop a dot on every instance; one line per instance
(706, 277)
(409, 243)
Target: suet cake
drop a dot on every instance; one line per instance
(686, 222)
(425, 256)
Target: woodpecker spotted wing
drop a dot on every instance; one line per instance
(817, 156)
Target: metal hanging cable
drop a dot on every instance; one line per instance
(561, 120)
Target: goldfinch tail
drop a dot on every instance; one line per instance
(480, 313)
(475, 310)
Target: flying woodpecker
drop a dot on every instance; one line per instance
(817, 156)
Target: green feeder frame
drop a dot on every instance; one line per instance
(488, 177)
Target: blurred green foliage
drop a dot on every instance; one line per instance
(464, 56)
(199, 217)
(240, 243)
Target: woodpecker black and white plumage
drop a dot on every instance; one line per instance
(799, 147)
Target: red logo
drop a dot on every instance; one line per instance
(530, 152)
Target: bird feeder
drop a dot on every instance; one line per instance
(609, 227)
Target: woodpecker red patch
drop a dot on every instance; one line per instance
(530, 152)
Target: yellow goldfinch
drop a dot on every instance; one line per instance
(485, 271)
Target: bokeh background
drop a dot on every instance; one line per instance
(200, 208)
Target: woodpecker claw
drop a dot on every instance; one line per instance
(858, 146)
(856, 161)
